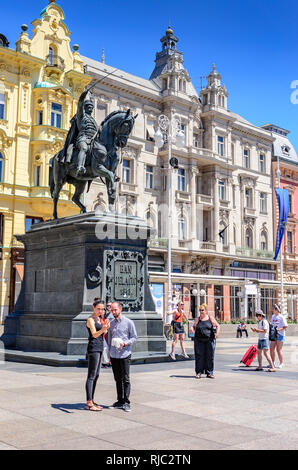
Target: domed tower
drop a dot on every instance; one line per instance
(215, 94)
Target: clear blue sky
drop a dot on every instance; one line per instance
(254, 44)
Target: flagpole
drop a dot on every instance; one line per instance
(280, 253)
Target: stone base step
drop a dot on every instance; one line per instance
(62, 360)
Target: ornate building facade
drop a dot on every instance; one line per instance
(221, 192)
(285, 154)
(40, 82)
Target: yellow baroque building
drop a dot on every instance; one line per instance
(40, 83)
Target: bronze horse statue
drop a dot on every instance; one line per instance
(101, 160)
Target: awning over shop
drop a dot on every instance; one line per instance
(20, 270)
(218, 280)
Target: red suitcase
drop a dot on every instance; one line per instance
(250, 355)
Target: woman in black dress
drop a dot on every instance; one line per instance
(97, 326)
(206, 330)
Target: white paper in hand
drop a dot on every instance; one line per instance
(116, 342)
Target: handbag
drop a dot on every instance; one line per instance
(213, 330)
(272, 332)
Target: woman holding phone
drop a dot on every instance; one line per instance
(97, 326)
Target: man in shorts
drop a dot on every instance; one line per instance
(281, 324)
(263, 342)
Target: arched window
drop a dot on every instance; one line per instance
(1, 168)
(51, 57)
(248, 238)
(264, 241)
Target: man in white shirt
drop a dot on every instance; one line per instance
(263, 343)
(281, 324)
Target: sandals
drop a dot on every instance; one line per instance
(271, 370)
(259, 368)
(93, 407)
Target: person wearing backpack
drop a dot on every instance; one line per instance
(206, 330)
(280, 323)
(263, 342)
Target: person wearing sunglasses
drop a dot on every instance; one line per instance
(206, 330)
(178, 330)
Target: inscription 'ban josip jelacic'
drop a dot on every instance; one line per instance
(125, 280)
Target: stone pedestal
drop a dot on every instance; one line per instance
(70, 261)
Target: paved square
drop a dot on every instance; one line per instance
(43, 407)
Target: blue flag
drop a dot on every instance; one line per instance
(283, 205)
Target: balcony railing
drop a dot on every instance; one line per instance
(208, 246)
(55, 61)
(158, 243)
(252, 253)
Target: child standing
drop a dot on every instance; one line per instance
(263, 342)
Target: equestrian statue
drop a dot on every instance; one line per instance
(90, 151)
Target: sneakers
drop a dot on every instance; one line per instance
(126, 407)
(280, 366)
(186, 356)
(117, 404)
(172, 356)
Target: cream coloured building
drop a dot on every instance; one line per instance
(40, 82)
(221, 192)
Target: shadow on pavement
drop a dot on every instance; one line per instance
(68, 407)
(183, 376)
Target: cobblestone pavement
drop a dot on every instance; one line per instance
(42, 407)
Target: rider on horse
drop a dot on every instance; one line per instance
(83, 129)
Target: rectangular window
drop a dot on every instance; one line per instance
(263, 203)
(289, 242)
(248, 198)
(181, 229)
(181, 179)
(1, 168)
(101, 112)
(1, 229)
(290, 203)
(220, 146)
(196, 140)
(234, 195)
(262, 162)
(2, 106)
(149, 177)
(29, 221)
(126, 171)
(39, 118)
(164, 183)
(37, 175)
(221, 190)
(56, 115)
(246, 158)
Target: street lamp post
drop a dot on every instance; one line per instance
(171, 128)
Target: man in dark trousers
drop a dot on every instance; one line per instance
(121, 336)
